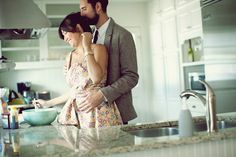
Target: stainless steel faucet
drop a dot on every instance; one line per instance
(208, 102)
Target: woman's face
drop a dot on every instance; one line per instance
(73, 38)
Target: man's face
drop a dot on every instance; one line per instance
(88, 11)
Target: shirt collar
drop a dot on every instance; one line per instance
(103, 28)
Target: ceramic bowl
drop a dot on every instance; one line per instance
(43, 116)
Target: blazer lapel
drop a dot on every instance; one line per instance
(108, 37)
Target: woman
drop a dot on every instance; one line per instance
(87, 70)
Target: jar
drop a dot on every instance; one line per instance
(14, 124)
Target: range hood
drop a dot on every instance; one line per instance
(22, 19)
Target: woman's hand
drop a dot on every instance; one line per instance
(87, 41)
(40, 103)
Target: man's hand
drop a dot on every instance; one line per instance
(65, 69)
(91, 100)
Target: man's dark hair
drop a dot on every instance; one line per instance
(104, 4)
(69, 23)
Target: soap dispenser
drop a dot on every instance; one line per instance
(185, 121)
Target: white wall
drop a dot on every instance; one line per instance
(41, 79)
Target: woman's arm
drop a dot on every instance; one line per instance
(96, 57)
(53, 102)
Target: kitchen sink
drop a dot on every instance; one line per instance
(154, 132)
(220, 124)
(173, 130)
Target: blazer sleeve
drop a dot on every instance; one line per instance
(128, 69)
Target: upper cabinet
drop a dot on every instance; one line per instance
(21, 50)
(165, 59)
(160, 7)
(167, 5)
(181, 3)
(189, 20)
(56, 11)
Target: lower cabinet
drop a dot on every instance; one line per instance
(166, 87)
(166, 67)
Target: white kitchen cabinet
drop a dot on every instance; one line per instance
(166, 86)
(21, 50)
(189, 20)
(156, 36)
(159, 94)
(169, 30)
(154, 8)
(56, 11)
(165, 63)
(167, 5)
(182, 3)
(160, 7)
(172, 24)
(189, 23)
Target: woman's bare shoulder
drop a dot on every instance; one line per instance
(98, 47)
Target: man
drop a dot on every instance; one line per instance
(122, 65)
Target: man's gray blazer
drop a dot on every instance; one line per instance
(122, 69)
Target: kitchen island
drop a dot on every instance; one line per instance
(69, 141)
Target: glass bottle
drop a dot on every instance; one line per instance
(190, 52)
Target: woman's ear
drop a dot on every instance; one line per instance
(79, 28)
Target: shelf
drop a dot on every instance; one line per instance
(197, 63)
(221, 62)
(19, 48)
(59, 47)
(39, 65)
(7, 66)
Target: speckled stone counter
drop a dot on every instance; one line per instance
(69, 141)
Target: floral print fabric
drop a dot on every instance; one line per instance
(103, 115)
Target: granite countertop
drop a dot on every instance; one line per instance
(67, 141)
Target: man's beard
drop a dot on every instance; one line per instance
(94, 20)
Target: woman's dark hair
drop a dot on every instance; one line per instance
(104, 4)
(69, 23)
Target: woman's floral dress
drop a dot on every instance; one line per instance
(103, 115)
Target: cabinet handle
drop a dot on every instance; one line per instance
(189, 27)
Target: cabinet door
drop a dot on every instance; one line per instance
(182, 3)
(154, 7)
(196, 17)
(184, 22)
(170, 40)
(57, 11)
(156, 37)
(21, 50)
(189, 18)
(57, 48)
(159, 87)
(173, 86)
(167, 5)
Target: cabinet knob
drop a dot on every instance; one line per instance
(189, 27)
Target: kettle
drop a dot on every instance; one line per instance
(14, 98)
